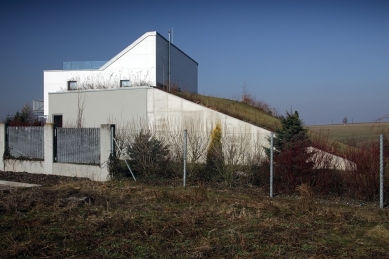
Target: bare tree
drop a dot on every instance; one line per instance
(80, 110)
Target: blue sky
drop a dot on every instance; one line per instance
(326, 59)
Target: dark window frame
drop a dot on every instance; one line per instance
(122, 81)
(69, 83)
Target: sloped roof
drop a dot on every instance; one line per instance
(139, 40)
(124, 51)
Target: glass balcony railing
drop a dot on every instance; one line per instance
(81, 65)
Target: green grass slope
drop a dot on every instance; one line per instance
(236, 109)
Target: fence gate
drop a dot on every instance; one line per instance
(77, 145)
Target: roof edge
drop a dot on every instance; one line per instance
(124, 51)
(177, 48)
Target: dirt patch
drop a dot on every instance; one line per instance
(41, 179)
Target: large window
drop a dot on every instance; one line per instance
(72, 85)
(124, 83)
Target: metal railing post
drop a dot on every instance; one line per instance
(381, 171)
(185, 151)
(113, 135)
(55, 147)
(271, 165)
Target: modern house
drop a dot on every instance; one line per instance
(150, 61)
(128, 88)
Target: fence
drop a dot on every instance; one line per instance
(243, 158)
(187, 154)
(77, 145)
(25, 142)
(353, 168)
(77, 152)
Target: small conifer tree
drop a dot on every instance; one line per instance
(292, 160)
(148, 155)
(215, 156)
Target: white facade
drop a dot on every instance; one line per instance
(152, 106)
(144, 63)
(135, 108)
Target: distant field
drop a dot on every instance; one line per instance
(348, 131)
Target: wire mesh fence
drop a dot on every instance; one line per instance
(350, 167)
(25, 142)
(239, 151)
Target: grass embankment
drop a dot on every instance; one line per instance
(133, 220)
(236, 109)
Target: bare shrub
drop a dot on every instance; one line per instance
(363, 180)
(80, 110)
(111, 80)
(260, 105)
(305, 191)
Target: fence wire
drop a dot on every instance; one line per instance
(27, 142)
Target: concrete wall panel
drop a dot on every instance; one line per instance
(100, 106)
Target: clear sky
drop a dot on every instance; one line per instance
(326, 59)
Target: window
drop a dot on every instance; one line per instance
(72, 85)
(124, 83)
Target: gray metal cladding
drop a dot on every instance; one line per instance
(78, 145)
(26, 142)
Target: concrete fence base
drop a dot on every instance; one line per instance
(48, 166)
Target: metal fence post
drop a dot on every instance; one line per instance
(271, 164)
(113, 135)
(55, 149)
(6, 140)
(185, 146)
(381, 171)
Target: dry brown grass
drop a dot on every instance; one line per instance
(240, 110)
(133, 220)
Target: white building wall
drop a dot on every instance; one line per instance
(99, 106)
(137, 63)
(157, 107)
(163, 106)
(163, 113)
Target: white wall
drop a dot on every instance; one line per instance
(137, 63)
(163, 106)
(156, 106)
(99, 106)
(139, 55)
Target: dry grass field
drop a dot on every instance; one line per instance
(342, 132)
(87, 219)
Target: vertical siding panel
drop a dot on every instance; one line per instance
(81, 145)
